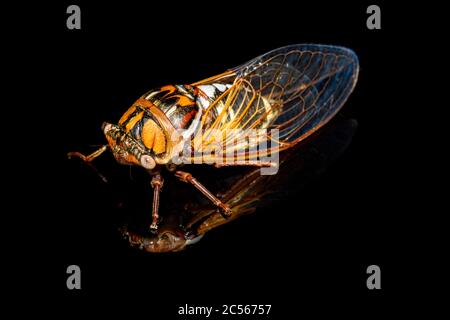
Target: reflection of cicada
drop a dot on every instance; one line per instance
(241, 117)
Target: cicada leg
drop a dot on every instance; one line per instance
(89, 158)
(188, 178)
(157, 183)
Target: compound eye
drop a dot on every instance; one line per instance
(148, 162)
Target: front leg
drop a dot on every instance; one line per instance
(157, 183)
(88, 159)
(187, 177)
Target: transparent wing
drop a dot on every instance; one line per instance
(295, 89)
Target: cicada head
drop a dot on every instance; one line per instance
(125, 148)
(144, 136)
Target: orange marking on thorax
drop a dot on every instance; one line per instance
(184, 101)
(169, 88)
(127, 114)
(133, 121)
(143, 103)
(153, 137)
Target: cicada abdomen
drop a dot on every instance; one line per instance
(243, 116)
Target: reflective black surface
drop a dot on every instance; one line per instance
(308, 250)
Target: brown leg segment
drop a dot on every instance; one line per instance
(157, 183)
(187, 177)
(89, 158)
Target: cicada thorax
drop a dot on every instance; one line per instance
(161, 118)
(184, 105)
(179, 105)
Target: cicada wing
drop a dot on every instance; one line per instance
(295, 89)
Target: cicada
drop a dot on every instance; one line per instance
(245, 116)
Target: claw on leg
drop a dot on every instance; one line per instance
(224, 209)
(157, 183)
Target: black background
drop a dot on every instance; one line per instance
(313, 256)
